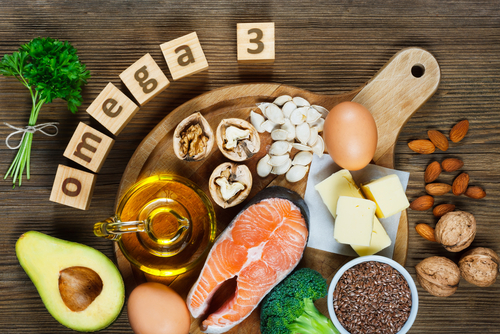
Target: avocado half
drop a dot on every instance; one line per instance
(80, 286)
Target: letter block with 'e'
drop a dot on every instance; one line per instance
(144, 79)
(184, 56)
(73, 187)
(255, 42)
(113, 109)
(88, 147)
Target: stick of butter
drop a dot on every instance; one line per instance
(387, 192)
(354, 222)
(342, 184)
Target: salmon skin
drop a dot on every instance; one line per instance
(260, 247)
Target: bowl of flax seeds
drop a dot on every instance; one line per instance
(372, 294)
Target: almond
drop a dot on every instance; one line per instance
(442, 209)
(437, 189)
(422, 146)
(438, 139)
(458, 132)
(432, 172)
(475, 192)
(425, 231)
(422, 203)
(452, 164)
(460, 184)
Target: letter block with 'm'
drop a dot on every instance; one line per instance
(255, 42)
(184, 56)
(88, 147)
(73, 187)
(144, 79)
(113, 109)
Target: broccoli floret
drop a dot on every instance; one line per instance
(289, 307)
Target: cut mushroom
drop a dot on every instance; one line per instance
(237, 139)
(193, 138)
(230, 184)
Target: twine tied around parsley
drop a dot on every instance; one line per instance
(30, 129)
(50, 69)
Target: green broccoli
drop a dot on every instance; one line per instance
(289, 307)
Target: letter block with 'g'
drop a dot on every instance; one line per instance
(144, 79)
(255, 42)
(88, 147)
(184, 56)
(73, 187)
(113, 109)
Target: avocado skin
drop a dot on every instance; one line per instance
(43, 257)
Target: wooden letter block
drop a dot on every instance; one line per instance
(73, 187)
(113, 109)
(184, 56)
(144, 79)
(88, 147)
(255, 42)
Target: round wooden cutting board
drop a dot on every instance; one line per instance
(393, 95)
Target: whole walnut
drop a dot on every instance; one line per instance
(479, 266)
(438, 275)
(456, 230)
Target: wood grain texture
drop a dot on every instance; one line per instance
(321, 46)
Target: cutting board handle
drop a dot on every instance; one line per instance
(393, 95)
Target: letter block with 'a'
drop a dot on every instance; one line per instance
(144, 79)
(113, 109)
(255, 42)
(184, 56)
(88, 147)
(73, 187)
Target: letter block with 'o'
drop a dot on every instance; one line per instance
(113, 109)
(255, 42)
(184, 56)
(73, 187)
(88, 147)
(144, 79)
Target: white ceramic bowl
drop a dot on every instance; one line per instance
(392, 263)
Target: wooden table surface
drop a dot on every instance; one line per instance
(322, 46)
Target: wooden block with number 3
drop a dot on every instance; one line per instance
(184, 56)
(144, 79)
(73, 187)
(255, 42)
(113, 109)
(88, 147)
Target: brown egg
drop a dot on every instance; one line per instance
(350, 135)
(154, 308)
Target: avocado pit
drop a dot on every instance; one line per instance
(79, 287)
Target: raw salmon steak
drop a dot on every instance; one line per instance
(260, 247)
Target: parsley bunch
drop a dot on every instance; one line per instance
(50, 69)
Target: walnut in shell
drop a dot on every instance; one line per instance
(237, 139)
(438, 275)
(193, 138)
(456, 230)
(230, 184)
(479, 266)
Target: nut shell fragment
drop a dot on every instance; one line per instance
(244, 148)
(193, 138)
(235, 178)
(438, 275)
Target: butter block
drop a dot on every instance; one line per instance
(336, 185)
(387, 192)
(354, 222)
(380, 240)
(342, 184)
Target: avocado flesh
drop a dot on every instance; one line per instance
(43, 258)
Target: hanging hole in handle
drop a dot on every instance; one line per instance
(418, 70)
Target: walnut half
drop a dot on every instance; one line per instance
(193, 138)
(237, 139)
(230, 184)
